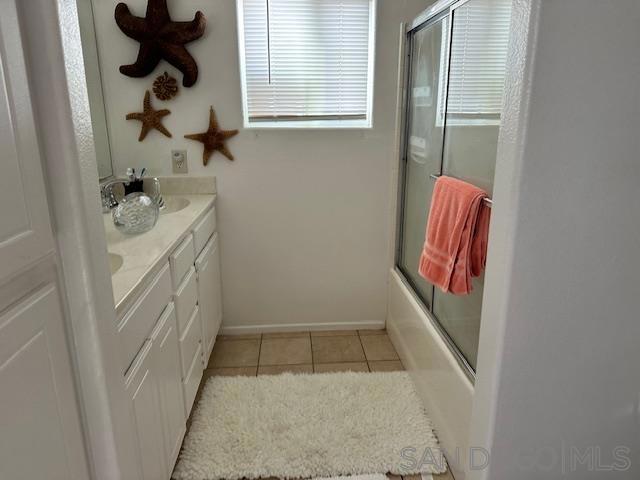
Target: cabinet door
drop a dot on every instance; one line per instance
(216, 276)
(167, 366)
(142, 386)
(25, 231)
(209, 294)
(40, 433)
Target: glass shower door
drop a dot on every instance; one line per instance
(424, 144)
(454, 100)
(479, 41)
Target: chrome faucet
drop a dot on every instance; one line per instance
(106, 193)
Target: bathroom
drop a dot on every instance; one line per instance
(256, 306)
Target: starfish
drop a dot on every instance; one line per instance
(213, 139)
(150, 118)
(160, 38)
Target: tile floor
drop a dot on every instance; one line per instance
(303, 352)
(306, 352)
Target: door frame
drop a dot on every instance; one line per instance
(51, 33)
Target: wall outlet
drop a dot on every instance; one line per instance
(179, 161)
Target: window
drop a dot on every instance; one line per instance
(479, 43)
(307, 63)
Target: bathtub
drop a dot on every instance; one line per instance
(442, 384)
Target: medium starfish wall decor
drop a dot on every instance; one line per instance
(151, 119)
(213, 139)
(160, 38)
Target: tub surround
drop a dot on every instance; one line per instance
(143, 255)
(444, 388)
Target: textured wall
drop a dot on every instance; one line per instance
(557, 384)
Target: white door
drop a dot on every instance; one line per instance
(25, 232)
(40, 432)
(209, 293)
(40, 435)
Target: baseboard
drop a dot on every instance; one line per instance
(300, 327)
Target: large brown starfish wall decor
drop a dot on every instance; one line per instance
(151, 119)
(160, 38)
(213, 139)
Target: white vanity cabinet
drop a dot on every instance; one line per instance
(209, 283)
(203, 230)
(166, 338)
(138, 323)
(209, 293)
(148, 333)
(166, 362)
(198, 297)
(189, 326)
(142, 386)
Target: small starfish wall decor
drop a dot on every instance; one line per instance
(165, 87)
(151, 119)
(213, 139)
(160, 38)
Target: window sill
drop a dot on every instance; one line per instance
(309, 125)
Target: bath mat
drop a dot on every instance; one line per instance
(309, 425)
(377, 476)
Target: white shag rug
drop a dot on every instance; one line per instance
(376, 476)
(309, 425)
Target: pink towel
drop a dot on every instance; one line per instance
(455, 247)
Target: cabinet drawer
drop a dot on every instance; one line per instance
(181, 260)
(203, 230)
(186, 298)
(138, 322)
(139, 368)
(191, 383)
(189, 341)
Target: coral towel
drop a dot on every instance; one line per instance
(455, 247)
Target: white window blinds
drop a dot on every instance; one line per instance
(480, 39)
(306, 59)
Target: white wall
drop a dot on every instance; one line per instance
(302, 214)
(559, 348)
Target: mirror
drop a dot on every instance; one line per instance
(94, 87)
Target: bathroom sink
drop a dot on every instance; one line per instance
(115, 262)
(174, 204)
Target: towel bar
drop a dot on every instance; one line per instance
(487, 201)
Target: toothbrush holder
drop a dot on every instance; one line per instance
(133, 186)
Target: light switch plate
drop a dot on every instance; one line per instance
(179, 161)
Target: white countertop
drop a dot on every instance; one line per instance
(143, 255)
